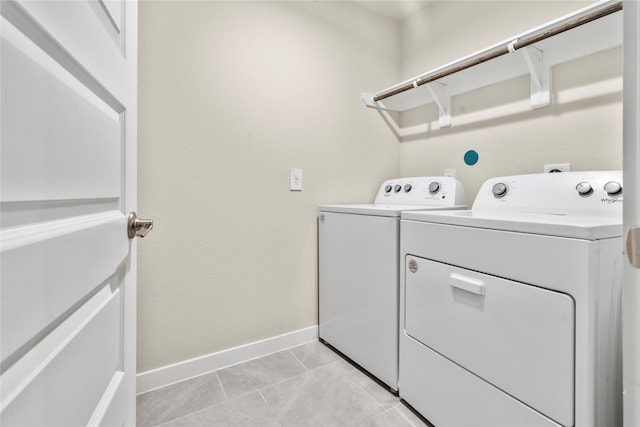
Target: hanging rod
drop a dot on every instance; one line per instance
(503, 50)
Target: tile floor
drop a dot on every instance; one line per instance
(308, 385)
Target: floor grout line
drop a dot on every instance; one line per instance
(222, 386)
(269, 408)
(298, 360)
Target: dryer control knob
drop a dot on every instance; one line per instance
(397, 188)
(407, 188)
(434, 187)
(584, 188)
(613, 188)
(499, 190)
(388, 188)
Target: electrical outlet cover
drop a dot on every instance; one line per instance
(557, 167)
(295, 180)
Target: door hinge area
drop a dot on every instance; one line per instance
(633, 246)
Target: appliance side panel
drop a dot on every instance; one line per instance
(608, 381)
(358, 290)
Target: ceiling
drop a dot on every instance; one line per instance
(393, 9)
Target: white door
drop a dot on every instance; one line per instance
(631, 153)
(68, 181)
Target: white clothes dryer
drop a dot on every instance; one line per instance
(510, 312)
(359, 267)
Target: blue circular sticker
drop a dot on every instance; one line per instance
(471, 157)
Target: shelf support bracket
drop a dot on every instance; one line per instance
(443, 99)
(540, 76)
(367, 98)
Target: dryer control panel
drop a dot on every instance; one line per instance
(424, 190)
(595, 193)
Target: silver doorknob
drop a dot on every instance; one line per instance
(137, 227)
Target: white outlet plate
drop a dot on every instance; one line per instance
(295, 180)
(450, 172)
(557, 167)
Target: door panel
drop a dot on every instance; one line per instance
(68, 178)
(448, 395)
(65, 263)
(74, 33)
(110, 13)
(70, 140)
(494, 327)
(82, 365)
(631, 159)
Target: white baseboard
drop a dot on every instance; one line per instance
(160, 377)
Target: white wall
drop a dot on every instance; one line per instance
(232, 95)
(583, 126)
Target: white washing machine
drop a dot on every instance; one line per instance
(359, 269)
(510, 312)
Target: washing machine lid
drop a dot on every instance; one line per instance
(552, 224)
(382, 210)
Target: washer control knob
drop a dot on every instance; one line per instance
(499, 190)
(434, 187)
(613, 188)
(397, 188)
(407, 188)
(388, 188)
(584, 188)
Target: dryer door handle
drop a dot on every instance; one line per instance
(468, 284)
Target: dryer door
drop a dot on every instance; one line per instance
(517, 337)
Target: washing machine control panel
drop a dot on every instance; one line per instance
(425, 190)
(396, 188)
(576, 193)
